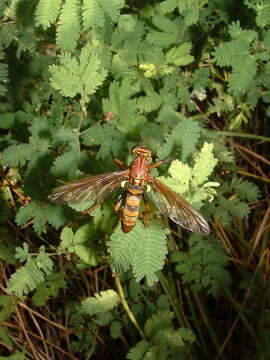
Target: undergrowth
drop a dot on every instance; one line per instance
(82, 83)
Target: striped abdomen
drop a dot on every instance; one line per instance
(131, 209)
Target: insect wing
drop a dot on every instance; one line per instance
(177, 208)
(94, 188)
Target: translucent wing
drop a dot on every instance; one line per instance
(94, 188)
(177, 208)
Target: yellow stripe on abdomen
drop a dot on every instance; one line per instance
(131, 210)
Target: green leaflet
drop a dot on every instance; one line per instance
(81, 243)
(47, 12)
(33, 273)
(143, 248)
(192, 182)
(185, 135)
(163, 341)
(82, 77)
(104, 301)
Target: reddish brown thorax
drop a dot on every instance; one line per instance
(139, 167)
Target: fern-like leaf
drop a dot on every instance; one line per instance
(164, 341)
(49, 288)
(262, 9)
(80, 243)
(136, 52)
(27, 42)
(231, 53)
(93, 74)
(93, 15)
(235, 206)
(150, 257)
(8, 33)
(159, 321)
(204, 267)
(25, 279)
(83, 245)
(101, 302)
(47, 12)
(68, 31)
(168, 6)
(138, 351)
(204, 164)
(123, 247)
(17, 155)
(168, 32)
(181, 175)
(185, 135)
(143, 248)
(242, 76)
(112, 8)
(180, 56)
(38, 214)
(245, 189)
(32, 211)
(189, 182)
(72, 77)
(106, 136)
(65, 165)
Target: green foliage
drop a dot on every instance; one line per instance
(8, 305)
(192, 181)
(72, 77)
(106, 136)
(81, 83)
(48, 289)
(167, 33)
(231, 53)
(17, 356)
(185, 135)
(115, 329)
(81, 243)
(47, 12)
(69, 26)
(231, 200)
(33, 273)
(180, 56)
(40, 215)
(262, 9)
(100, 303)
(3, 73)
(6, 253)
(245, 189)
(142, 248)
(95, 12)
(242, 76)
(165, 341)
(204, 266)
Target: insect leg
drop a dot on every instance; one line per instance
(120, 164)
(94, 207)
(120, 202)
(165, 161)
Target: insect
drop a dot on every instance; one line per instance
(136, 179)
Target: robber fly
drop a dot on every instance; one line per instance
(136, 178)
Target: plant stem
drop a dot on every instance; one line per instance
(253, 176)
(242, 135)
(127, 308)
